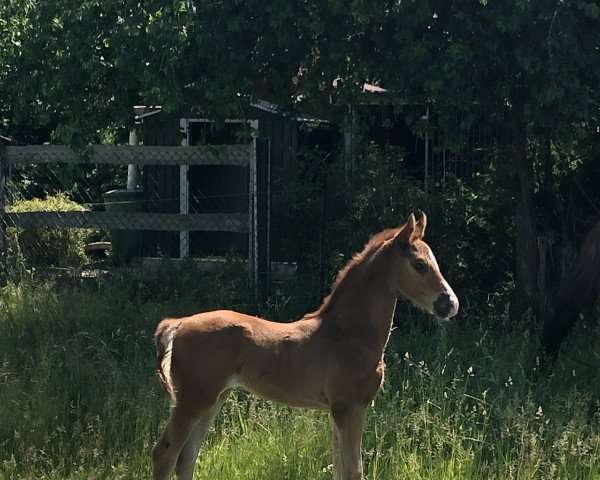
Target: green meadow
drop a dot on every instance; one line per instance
(462, 400)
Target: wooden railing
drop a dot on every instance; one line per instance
(237, 155)
(232, 155)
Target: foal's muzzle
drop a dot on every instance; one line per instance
(446, 305)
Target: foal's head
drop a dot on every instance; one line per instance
(414, 271)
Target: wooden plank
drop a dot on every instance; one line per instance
(165, 222)
(236, 155)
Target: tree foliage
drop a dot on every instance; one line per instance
(86, 63)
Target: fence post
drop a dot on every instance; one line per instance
(3, 245)
(263, 219)
(3, 163)
(184, 190)
(134, 175)
(426, 156)
(252, 214)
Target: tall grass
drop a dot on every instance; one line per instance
(78, 397)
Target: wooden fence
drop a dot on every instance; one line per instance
(254, 222)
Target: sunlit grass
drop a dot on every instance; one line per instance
(78, 400)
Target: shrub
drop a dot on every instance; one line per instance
(56, 246)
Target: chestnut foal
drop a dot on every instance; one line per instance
(329, 360)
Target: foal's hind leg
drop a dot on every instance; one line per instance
(186, 462)
(166, 451)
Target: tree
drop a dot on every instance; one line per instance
(88, 64)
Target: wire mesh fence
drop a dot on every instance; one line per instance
(61, 208)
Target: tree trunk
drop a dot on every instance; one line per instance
(545, 232)
(526, 254)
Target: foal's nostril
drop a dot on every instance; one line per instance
(442, 304)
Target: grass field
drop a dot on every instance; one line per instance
(79, 400)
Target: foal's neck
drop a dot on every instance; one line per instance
(362, 304)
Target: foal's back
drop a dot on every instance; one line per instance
(218, 350)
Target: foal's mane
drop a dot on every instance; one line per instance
(371, 247)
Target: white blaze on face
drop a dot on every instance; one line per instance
(446, 287)
(453, 300)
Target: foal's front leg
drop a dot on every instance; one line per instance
(348, 424)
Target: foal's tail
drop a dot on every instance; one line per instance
(165, 334)
(579, 290)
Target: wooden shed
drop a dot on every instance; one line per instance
(219, 189)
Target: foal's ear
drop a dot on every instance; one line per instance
(413, 229)
(421, 223)
(404, 236)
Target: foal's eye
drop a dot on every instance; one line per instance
(420, 266)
